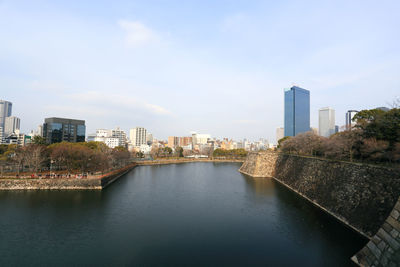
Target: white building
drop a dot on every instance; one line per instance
(120, 134)
(103, 133)
(326, 122)
(112, 138)
(145, 149)
(11, 125)
(138, 136)
(200, 139)
(280, 133)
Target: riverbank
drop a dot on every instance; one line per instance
(91, 182)
(94, 182)
(184, 160)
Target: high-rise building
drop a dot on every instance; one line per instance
(120, 135)
(2, 139)
(200, 139)
(185, 141)
(11, 124)
(112, 138)
(57, 130)
(173, 141)
(138, 136)
(280, 133)
(5, 111)
(349, 117)
(326, 121)
(297, 111)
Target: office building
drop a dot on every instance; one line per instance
(120, 135)
(138, 136)
(185, 141)
(173, 141)
(349, 119)
(297, 111)
(57, 130)
(112, 138)
(5, 111)
(326, 122)
(280, 133)
(11, 125)
(2, 139)
(200, 139)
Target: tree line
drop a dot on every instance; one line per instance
(70, 157)
(374, 138)
(230, 153)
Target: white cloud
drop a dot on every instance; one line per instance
(112, 101)
(137, 33)
(245, 121)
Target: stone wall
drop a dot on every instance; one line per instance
(352, 192)
(362, 196)
(384, 247)
(97, 183)
(43, 184)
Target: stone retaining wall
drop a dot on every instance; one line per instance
(360, 195)
(384, 247)
(63, 183)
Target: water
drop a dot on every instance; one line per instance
(192, 214)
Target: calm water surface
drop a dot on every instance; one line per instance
(193, 214)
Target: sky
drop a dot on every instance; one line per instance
(216, 67)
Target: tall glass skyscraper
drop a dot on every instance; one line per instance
(297, 111)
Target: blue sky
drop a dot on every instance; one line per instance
(215, 67)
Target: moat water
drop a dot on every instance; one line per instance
(192, 214)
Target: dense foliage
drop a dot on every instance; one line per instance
(375, 138)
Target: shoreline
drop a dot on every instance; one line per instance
(97, 182)
(179, 161)
(89, 183)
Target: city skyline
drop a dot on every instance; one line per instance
(222, 71)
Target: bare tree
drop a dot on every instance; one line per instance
(35, 156)
(373, 149)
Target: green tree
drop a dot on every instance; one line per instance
(39, 140)
(179, 151)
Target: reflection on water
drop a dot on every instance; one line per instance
(197, 214)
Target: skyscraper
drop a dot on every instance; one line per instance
(326, 122)
(5, 111)
(297, 111)
(138, 136)
(349, 116)
(11, 124)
